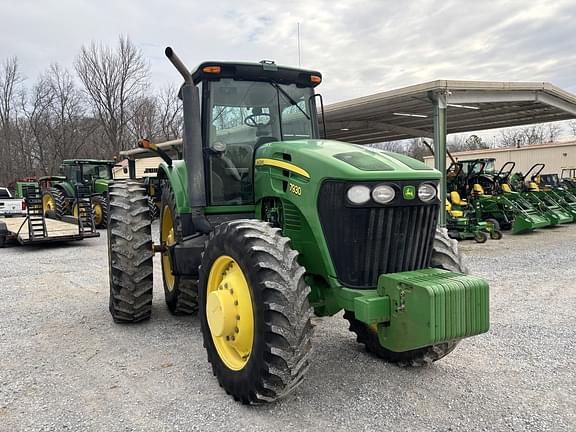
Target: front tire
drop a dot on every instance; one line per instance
(262, 357)
(130, 253)
(445, 256)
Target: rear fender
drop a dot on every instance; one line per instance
(176, 175)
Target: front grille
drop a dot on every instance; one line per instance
(365, 242)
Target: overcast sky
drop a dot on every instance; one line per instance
(361, 47)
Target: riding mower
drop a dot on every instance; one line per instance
(491, 198)
(551, 184)
(529, 189)
(263, 222)
(462, 225)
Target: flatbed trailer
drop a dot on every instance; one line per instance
(56, 231)
(36, 228)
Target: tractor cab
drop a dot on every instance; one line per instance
(472, 176)
(246, 105)
(94, 173)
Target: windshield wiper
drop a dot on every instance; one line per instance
(292, 101)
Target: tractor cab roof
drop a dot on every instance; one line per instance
(264, 71)
(87, 162)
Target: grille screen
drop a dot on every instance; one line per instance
(365, 242)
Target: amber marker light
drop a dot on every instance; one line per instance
(212, 69)
(315, 79)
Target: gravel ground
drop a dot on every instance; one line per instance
(65, 366)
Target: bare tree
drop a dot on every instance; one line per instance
(10, 80)
(144, 119)
(170, 113)
(572, 126)
(113, 80)
(456, 143)
(391, 146)
(417, 149)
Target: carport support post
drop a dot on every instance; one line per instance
(440, 126)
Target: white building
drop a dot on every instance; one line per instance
(555, 156)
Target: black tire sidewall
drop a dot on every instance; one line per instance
(247, 376)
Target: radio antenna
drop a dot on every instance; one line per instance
(298, 32)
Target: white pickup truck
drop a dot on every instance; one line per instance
(11, 206)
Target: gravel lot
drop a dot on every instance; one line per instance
(65, 366)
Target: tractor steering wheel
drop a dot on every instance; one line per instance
(251, 120)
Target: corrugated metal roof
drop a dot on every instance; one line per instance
(378, 117)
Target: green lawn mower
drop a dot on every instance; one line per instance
(263, 223)
(544, 201)
(491, 198)
(462, 223)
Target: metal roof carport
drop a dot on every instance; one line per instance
(442, 107)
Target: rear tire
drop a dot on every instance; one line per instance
(494, 223)
(57, 202)
(181, 294)
(445, 256)
(282, 328)
(129, 253)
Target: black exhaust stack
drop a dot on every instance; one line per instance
(192, 146)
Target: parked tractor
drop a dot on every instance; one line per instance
(263, 223)
(59, 192)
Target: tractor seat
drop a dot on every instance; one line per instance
(478, 189)
(455, 198)
(533, 187)
(506, 188)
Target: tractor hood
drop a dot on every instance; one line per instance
(101, 185)
(323, 159)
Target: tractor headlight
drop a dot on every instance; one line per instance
(358, 194)
(426, 192)
(383, 194)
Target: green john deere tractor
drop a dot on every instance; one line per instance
(59, 194)
(263, 223)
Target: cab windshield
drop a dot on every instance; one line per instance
(244, 115)
(93, 171)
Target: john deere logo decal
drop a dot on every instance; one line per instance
(409, 192)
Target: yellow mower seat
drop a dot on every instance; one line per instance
(533, 186)
(506, 188)
(455, 198)
(453, 213)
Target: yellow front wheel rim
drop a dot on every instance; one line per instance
(48, 203)
(167, 239)
(98, 214)
(229, 312)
